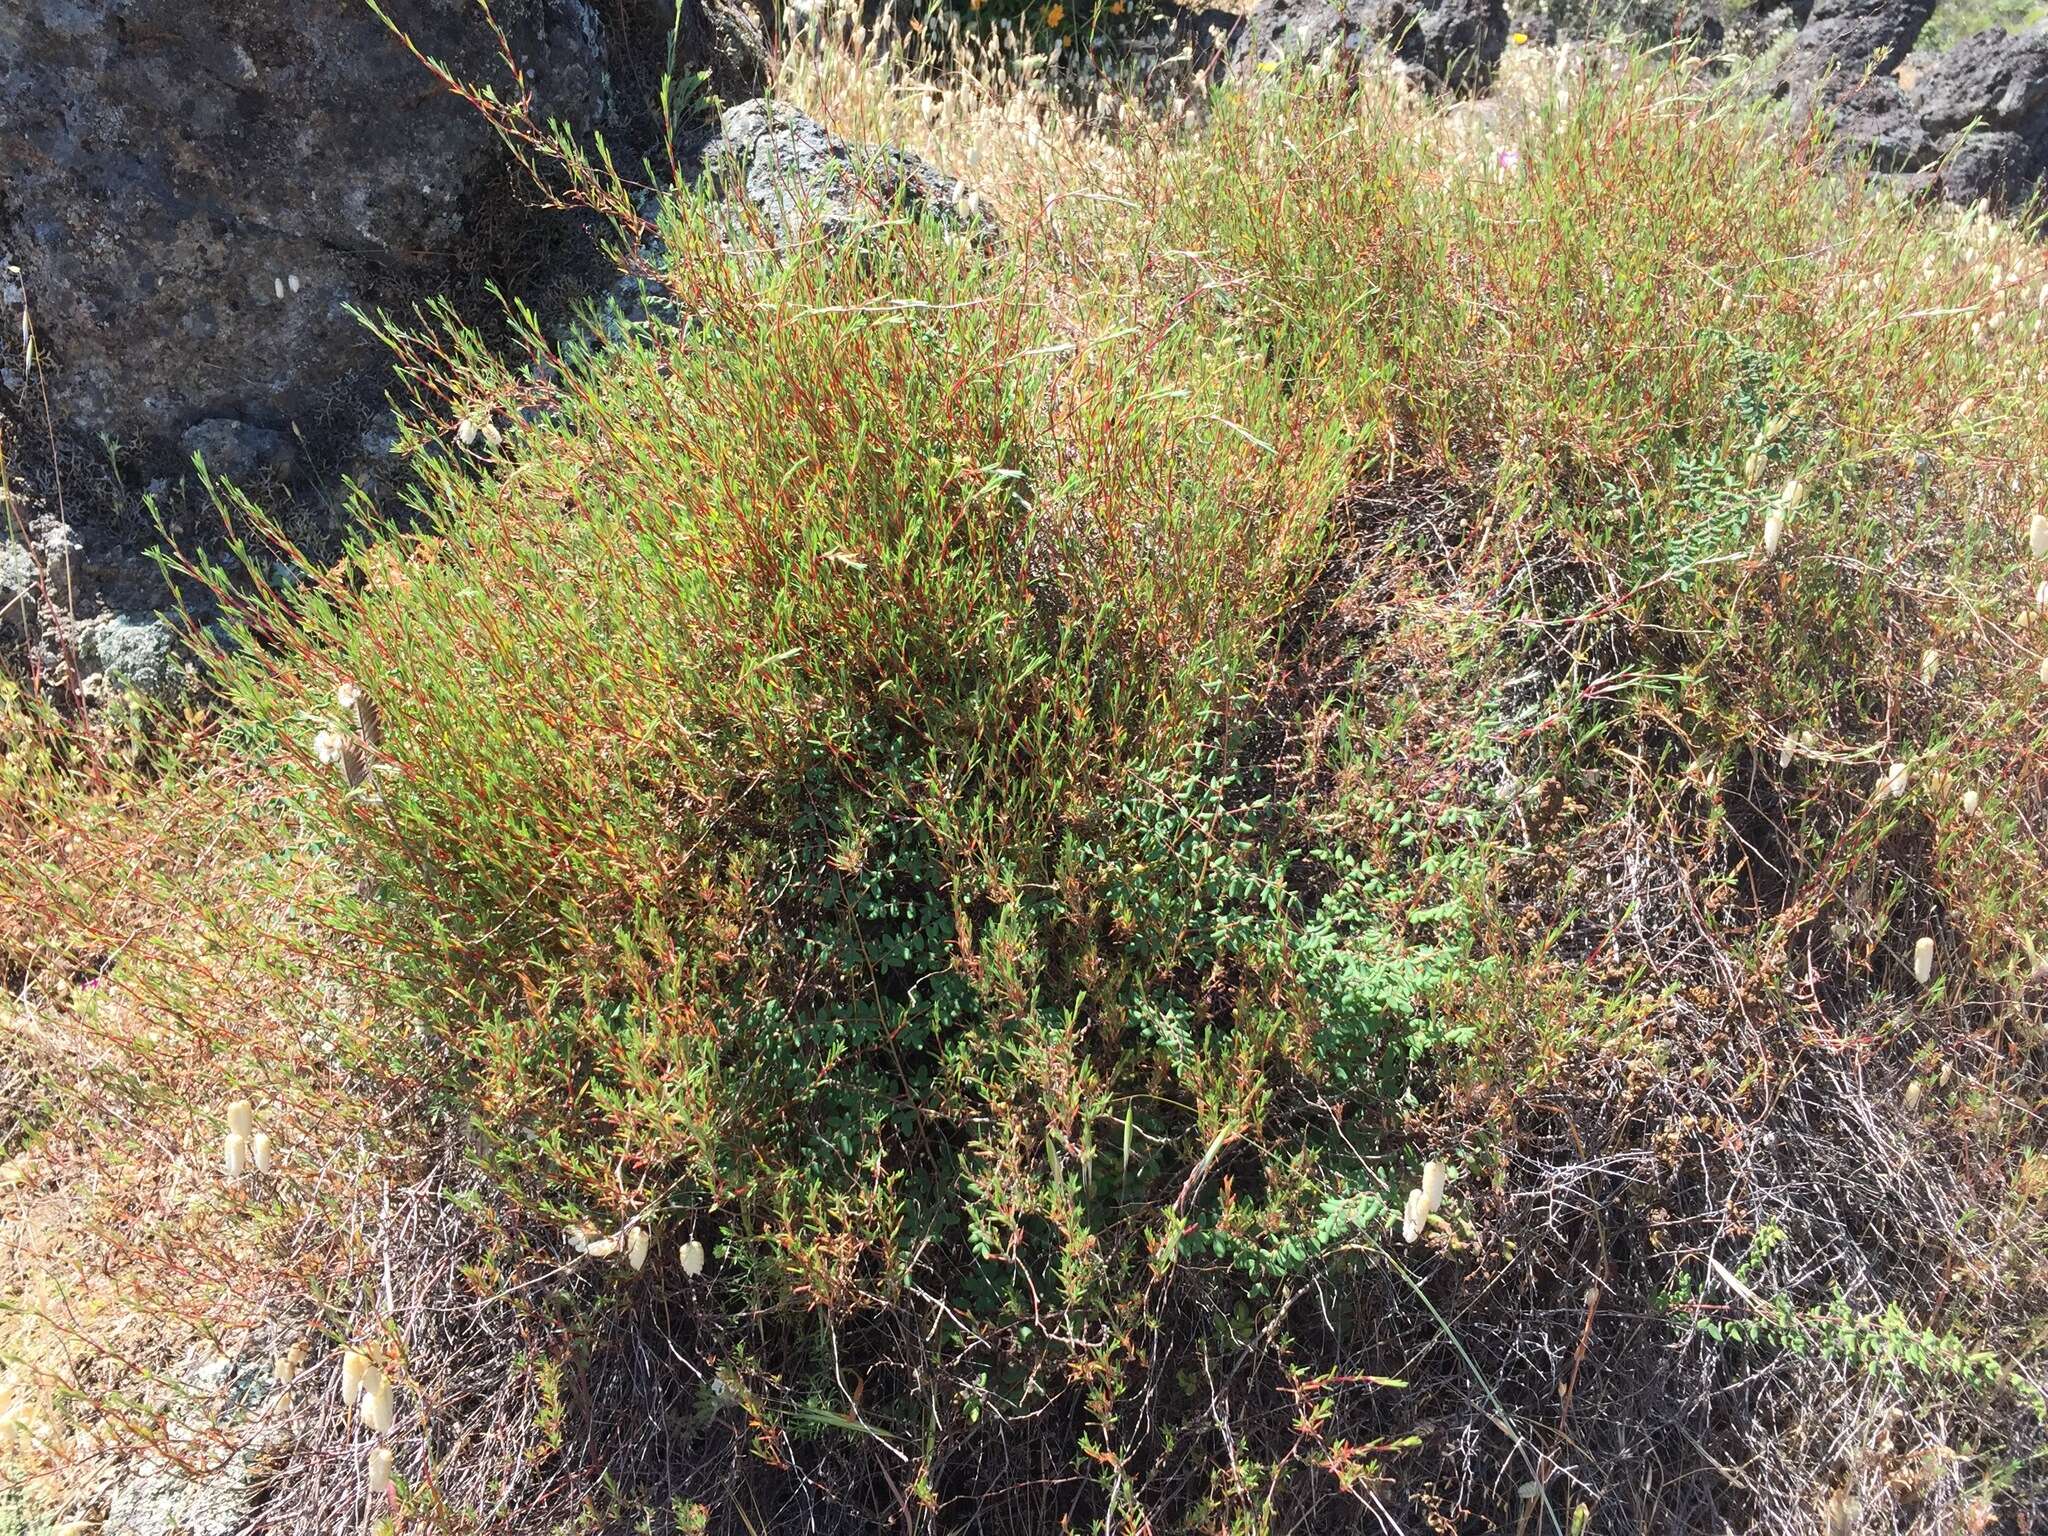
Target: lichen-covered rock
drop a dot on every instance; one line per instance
(800, 182)
(120, 654)
(1456, 43)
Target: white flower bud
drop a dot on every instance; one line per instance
(1895, 780)
(379, 1410)
(329, 748)
(2041, 598)
(603, 1248)
(1794, 495)
(1923, 959)
(637, 1243)
(1930, 664)
(1785, 754)
(1914, 1090)
(577, 1238)
(379, 1478)
(259, 1152)
(355, 1366)
(2037, 535)
(235, 1155)
(1971, 800)
(241, 1117)
(1414, 1216)
(1774, 533)
(1434, 1176)
(692, 1255)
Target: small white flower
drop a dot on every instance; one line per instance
(292, 282)
(1895, 780)
(235, 1154)
(329, 747)
(637, 1244)
(242, 1117)
(1914, 1090)
(2041, 598)
(277, 286)
(577, 1238)
(1930, 664)
(1794, 495)
(348, 695)
(2037, 535)
(1923, 959)
(465, 431)
(603, 1248)
(1774, 533)
(1971, 800)
(259, 1152)
(692, 1255)
(1785, 754)
(355, 1367)
(379, 1478)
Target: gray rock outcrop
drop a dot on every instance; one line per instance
(1452, 43)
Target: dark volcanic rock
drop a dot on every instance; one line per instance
(1874, 115)
(197, 195)
(1457, 43)
(197, 190)
(1987, 98)
(1972, 126)
(1996, 77)
(1850, 38)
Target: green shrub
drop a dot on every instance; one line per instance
(823, 788)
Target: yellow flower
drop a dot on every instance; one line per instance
(1055, 14)
(1519, 38)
